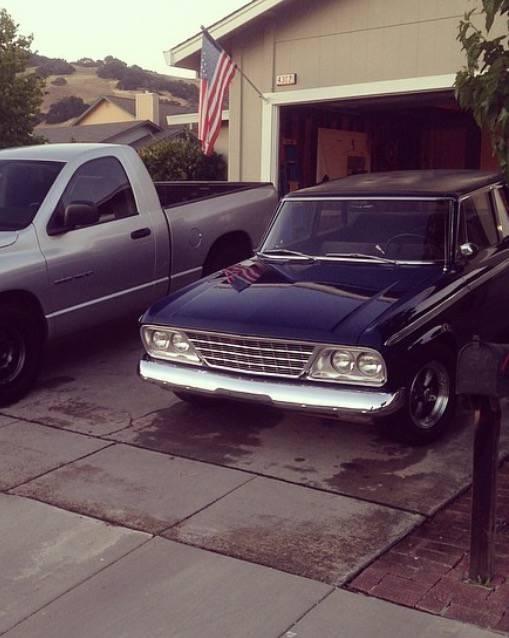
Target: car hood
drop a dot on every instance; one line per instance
(332, 302)
(8, 238)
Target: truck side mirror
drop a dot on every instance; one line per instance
(80, 214)
(483, 369)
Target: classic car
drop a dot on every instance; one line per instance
(355, 304)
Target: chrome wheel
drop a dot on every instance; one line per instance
(429, 395)
(12, 354)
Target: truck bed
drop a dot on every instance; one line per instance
(175, 193)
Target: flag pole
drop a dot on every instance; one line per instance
(237, 68)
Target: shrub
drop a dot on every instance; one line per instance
(55, 66)
(182, 159)
(60, 81)
(85, 62)
(65, 109)
(112, 68)
(134, 77)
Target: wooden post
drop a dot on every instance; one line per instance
(484, 488)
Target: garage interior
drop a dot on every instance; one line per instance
(328, 140)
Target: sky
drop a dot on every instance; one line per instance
(136, 32)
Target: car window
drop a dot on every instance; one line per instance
(102, 182)
(501, 197)
(402, 229)
(478, 221)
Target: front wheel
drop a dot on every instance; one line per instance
(430, 401)
(20, 353)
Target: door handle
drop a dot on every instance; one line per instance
(141, 232)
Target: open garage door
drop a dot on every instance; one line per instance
(327, 140)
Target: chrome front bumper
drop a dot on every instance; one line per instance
(294, 395)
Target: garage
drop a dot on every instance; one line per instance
(328, 140)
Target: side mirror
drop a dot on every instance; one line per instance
(80, 214)
(468, 250)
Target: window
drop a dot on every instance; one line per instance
(23, 187)
(478, 222)
(501, 196)
(101, 182)
(402, 229)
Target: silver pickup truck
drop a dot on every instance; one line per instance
(86, 236)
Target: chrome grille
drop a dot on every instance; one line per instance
(248, 354)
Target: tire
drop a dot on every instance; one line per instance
(226, 253)
(430, 401)
(20, 353)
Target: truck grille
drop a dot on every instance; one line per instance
(248, 354)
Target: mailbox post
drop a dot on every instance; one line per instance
(483, 374)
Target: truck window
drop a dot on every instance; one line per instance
(23, 187)
(102, 182)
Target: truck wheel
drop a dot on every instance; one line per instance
(226, 252)
(20, 353)
(430, 403)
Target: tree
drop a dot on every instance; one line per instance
(55, 66)
(21, 93)
(482, 87)
(182, 159)
(65, 109)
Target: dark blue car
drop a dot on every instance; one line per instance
(356, 303)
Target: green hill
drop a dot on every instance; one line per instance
(88, 79)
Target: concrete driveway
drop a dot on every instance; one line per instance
(113, 491)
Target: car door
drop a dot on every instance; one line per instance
(488, 270)
(103, 270)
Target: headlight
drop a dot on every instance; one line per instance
(370, 364)
(349, 365)
(166, 343)
(342, 361)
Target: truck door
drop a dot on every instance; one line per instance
(103, 270)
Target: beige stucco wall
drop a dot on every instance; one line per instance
(105, 113)
(336, 42)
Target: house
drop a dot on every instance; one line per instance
(348, 86)
(137, 134)
(138, 121)
(142, 106)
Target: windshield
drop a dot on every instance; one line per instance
(23, 187)
(384, 230)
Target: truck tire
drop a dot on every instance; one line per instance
(431, 399)
(226, 252)
(20, 353)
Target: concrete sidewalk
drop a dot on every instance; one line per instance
(69, 575)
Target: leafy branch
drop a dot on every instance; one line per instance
(482, 86)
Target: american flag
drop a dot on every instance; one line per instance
(216, 71)
(242, 276)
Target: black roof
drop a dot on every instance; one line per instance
(426, 183)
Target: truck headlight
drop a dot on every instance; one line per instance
(166, 343)
(349, 365)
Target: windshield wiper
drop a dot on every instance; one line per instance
(383, 260)
(284, 252)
